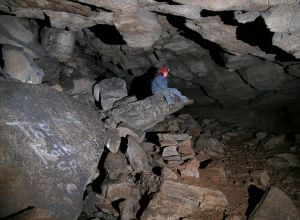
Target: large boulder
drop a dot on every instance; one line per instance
(146, 113)
(50, 146)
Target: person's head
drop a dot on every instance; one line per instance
(164, 71)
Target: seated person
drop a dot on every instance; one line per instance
(159, 85)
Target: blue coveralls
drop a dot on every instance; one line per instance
(159, 85)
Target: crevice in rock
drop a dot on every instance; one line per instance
(170, 2)
(92, 7)
(213, 48)
(285, 70)
(226, 16)
(152, 137)
(14, 215)
(256, 33)
(108, 34)
(255, 195)
(204, 164)
(244, 80)
(96, 184)
(144, 202)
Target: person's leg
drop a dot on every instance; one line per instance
(178, 93)
(167, 96)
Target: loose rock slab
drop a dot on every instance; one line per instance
(51, 146)
(275, 205)
(184, 200)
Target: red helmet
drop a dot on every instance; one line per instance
(163, 69)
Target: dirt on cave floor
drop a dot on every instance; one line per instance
(244, 174)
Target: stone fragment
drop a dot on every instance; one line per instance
(175, 163)
(140, 29)
(83, 86)
(293, 159)
(166, 143)
(149, 183)
(125, 129)
(173, 137)
(92, 202)
(175, 158)
(261, 177)
(210, 146)
(274, 142)
(137, 156)
(148, 146)
(244, 17)
(184, 200)
(189, 169)
(124, 101)
(275, 205)
(129, 208)
(61, 141)
(58, 43)
(19, 65)
(243, 5)
(116, 164)
(167, 173)
(170, 151)
(109, 90)
(19, 33)
(75, 22)
(144, 114)
(119, 189)
(185, 147)
(261, 135)
(113, 140)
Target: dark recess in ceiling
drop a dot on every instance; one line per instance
(214, 49)
(256, 33)
(226, 16)
(108, 34)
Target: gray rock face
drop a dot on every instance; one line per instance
(16, 31)
(51, 146)
(140, 29)
(109, 91)
(145, 113)
(58, 43)
(275, 205)
(19, 65)
(137, 156)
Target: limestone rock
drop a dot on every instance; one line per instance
(59, 139)
(113, 140)
(210, 146)
(109, 91)
(173, 137)
(145, 113)
(275, 205)
(20, 66)
(137, 156)
(119, 189)
(18, 32)
(116, 165)
(140, 29)
(58, 43)
(129, 208)
(168, 174)
(184, 200)
(245, 5)
(125, 130)
(189, 169)
(75, 22)
(170, 151)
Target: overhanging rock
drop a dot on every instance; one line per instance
(50, 146)
(145, 113)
